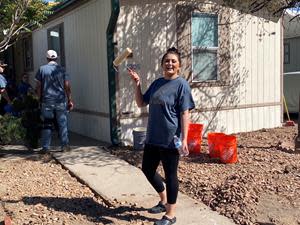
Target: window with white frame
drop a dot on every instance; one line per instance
(204, 47)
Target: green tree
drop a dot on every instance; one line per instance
(19, 16)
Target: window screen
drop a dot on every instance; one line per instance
(204, 46)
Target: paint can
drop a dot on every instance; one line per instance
(139, 138)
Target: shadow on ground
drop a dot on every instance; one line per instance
(88, 207)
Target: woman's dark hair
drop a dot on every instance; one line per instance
(174, 51)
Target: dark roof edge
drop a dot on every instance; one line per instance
(64, 8)
(62, 5)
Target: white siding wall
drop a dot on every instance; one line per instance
(86, 62)
(149, 30)
(250, 102)
(255, 87)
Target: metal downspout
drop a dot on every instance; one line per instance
(114, 128)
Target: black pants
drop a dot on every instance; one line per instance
(169, 158)
(3, 102)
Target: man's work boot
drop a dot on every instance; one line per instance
(66, 148)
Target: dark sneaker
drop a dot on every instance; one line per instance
(165, 221)
(159, 208)
(66, 148)
(44, 151)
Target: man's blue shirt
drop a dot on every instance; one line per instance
(167, 99)
(52, 78)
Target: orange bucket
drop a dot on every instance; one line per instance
(214, 144)
(194, 138)
(228, 152)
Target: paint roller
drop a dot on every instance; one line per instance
(122, 57)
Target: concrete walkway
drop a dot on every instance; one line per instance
(114, 179)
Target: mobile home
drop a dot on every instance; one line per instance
(231, 58)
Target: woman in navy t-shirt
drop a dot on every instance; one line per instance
(170, 100)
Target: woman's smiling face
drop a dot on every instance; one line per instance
(171, 65)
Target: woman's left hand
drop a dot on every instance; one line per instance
(185, 149)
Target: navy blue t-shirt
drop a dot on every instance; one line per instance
(167, 99)
(52, 78)
(23, 88)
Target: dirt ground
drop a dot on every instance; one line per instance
(36, 190)
(262, 188)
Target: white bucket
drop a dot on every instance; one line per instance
(139, 137)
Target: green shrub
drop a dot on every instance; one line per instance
(11, 129)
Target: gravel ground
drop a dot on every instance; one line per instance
(36, 190)
(262, 188)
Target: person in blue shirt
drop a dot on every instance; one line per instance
(54, 92)
(170, 101)
(24, 86)
(3, 92)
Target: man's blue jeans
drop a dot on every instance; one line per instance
(49, 111)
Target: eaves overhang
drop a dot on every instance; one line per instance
(64, 7)
(270, 10)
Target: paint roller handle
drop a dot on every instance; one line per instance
(134, 76)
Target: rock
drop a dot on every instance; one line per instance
(288, 169)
